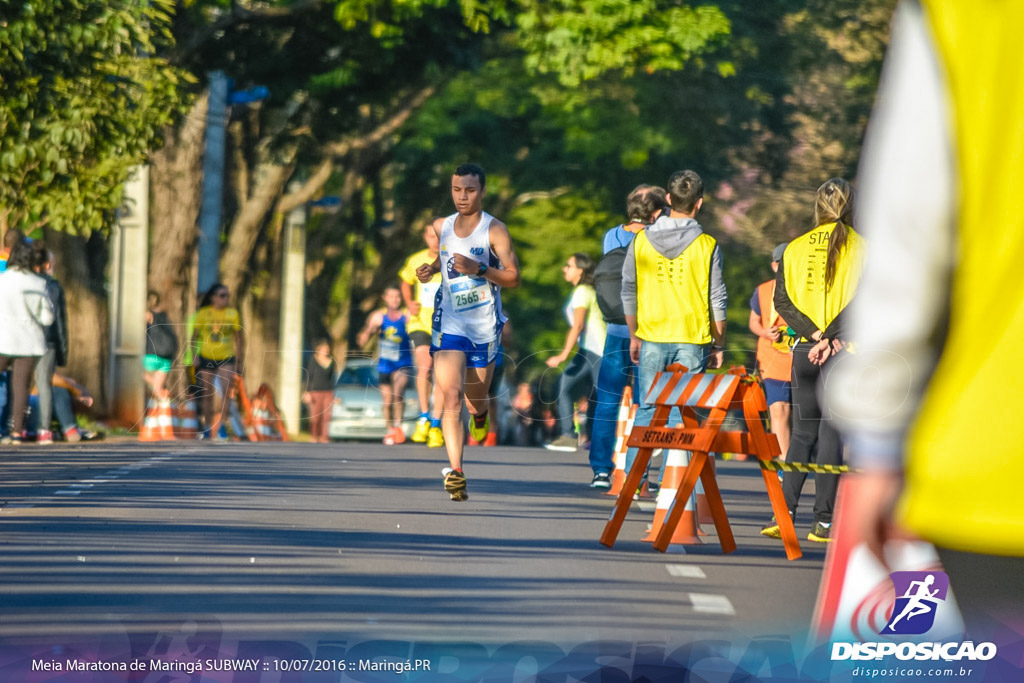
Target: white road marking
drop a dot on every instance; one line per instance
(711, 604)
(686, 571)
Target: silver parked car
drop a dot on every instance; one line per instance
(357, 412)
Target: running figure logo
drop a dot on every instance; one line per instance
(918, 595)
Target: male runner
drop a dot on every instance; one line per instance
(476, 260)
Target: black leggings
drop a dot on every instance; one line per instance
(22, 369)
(810, 431)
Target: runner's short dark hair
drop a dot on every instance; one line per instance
(685, 188)
(644, 201)
(472, 169)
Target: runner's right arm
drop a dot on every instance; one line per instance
(373, 324)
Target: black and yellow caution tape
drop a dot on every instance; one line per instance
(778, 465)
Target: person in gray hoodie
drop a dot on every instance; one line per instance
(673, 293)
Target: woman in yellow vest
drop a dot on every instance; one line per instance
(220, 351)
(815, 282)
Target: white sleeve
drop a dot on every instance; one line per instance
(906, 210)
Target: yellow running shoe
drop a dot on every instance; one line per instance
(435, 438)
(479, 433)
(422, 429)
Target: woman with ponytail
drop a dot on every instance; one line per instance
(816, 281)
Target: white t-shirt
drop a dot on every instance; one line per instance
(592, 336)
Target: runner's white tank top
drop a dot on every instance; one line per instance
(470, 305)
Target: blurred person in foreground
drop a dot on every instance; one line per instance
(25, 313)
(926, 402)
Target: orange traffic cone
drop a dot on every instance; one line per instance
(158, 423)
(186, 421)
(627, 413)
(687, 531)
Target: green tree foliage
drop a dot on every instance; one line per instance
(83, 96)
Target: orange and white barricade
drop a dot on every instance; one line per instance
(716, 394)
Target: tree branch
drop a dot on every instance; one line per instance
(239, 16)
(347, 147)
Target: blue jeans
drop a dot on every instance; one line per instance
(654, 358)
(616, 372)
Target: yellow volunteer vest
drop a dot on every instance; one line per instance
(965, 458)
(673, 295)
(774, 364)
(804, 274)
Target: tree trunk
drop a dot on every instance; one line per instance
(80, 269)
(176, 176)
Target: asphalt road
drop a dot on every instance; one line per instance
(142, 549)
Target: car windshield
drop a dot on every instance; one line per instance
(363, 375)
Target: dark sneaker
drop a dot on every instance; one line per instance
(565, 443)
(771, 529)
(820, 533)
(455, 484)
(602, 480)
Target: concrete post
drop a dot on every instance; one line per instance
(293, 291)
(129, 265)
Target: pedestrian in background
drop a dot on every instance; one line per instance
(394, 359)
(25, 313)
(56, 354)
(321, 374)
(419, 301)
(643, 206)
(161, 347)
(220, 357)
(774, 353)
(11, 237)
(816, 280)
(587, 330)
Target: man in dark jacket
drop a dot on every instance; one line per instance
(56, 342)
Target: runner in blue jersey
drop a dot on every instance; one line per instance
(394, 359)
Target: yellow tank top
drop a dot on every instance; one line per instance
(966, 458)
(673, 295)
(804, 272)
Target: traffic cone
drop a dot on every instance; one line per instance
(187, 422)
(158, 423)
(150, 430)
(624, 425)
(687, 530)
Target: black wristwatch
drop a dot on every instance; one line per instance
(482, 270)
